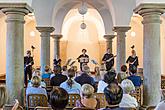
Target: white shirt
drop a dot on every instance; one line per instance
(160, 106)
(101, 86)
(128, 101)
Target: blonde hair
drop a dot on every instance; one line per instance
(87, 90)
(36, 81)
(86, 69)
(3, 96)
(127, 86)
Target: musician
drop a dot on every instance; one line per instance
(133, 59)
(83, 59)
(28, 62)
(108, 59)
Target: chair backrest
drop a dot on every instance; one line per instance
(82, 108)
(72, 100)
(101, 98)
(43, 108)
(150, 108)
(9, 107)
(47, 81)
(35, 100)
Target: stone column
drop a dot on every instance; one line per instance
(45, 46)
(151, 50)
(121, 48)
(15, 13)
(56, 38)
(109, 39)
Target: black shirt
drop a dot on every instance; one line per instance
(58, 79)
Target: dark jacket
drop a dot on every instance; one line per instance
(58, 79)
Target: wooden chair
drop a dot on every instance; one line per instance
(34, 100)
(150, 108)
(48, 86)
(82, 108)
(101, 98)
(72, 100)
(163, 84)
(43, 108)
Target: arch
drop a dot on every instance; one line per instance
(59, 15)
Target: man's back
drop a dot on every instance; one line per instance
(84, 78)
(58, 79)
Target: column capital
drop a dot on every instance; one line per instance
(45, 29)
(56, 36)
(14, 8)
(150, 8)
(109, 37)
(121, 28)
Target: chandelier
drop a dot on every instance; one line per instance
(83, 10)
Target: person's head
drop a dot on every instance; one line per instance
(162, 94)
(123, 68)
(109, 77)
(86, 69)
(47, 68)
(84, 51)
(64, 68)
(132, 69)
(97, 70)
(37, 73)
(108, 50)
(71, 74)
(133, 52)
(57, 69)
(3, 96)
(87, 90)
(36, 81)
(28, 53)
(113, 94)
(127, 86)
(58, 98)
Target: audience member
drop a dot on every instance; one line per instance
(102, 70)
(123, 74)
(97, 77)
(135, 79)
(87, 99)
(109, 77)
(58, 98)
(47, 72)
(58, 78)
(84, 78)
(161, 104)
(128, 100)
(35, 88)
(71, 86)
(64, 70)
(42, 83)
(113, 94)
(4, 98)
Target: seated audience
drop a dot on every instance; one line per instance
(58, 98)
(35, 88)
(87, 99)
(64, 70)
(4, 98)
(37, 73)
(161, 104)
(135, 79)
(58, 78)
(70, 85)
(47, 72)
(123, 74)
(128, 100)
(102, 70)
(108, 78)
(113, 94)
(84, 78)
(97, 77)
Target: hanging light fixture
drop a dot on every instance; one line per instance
(83, 10)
